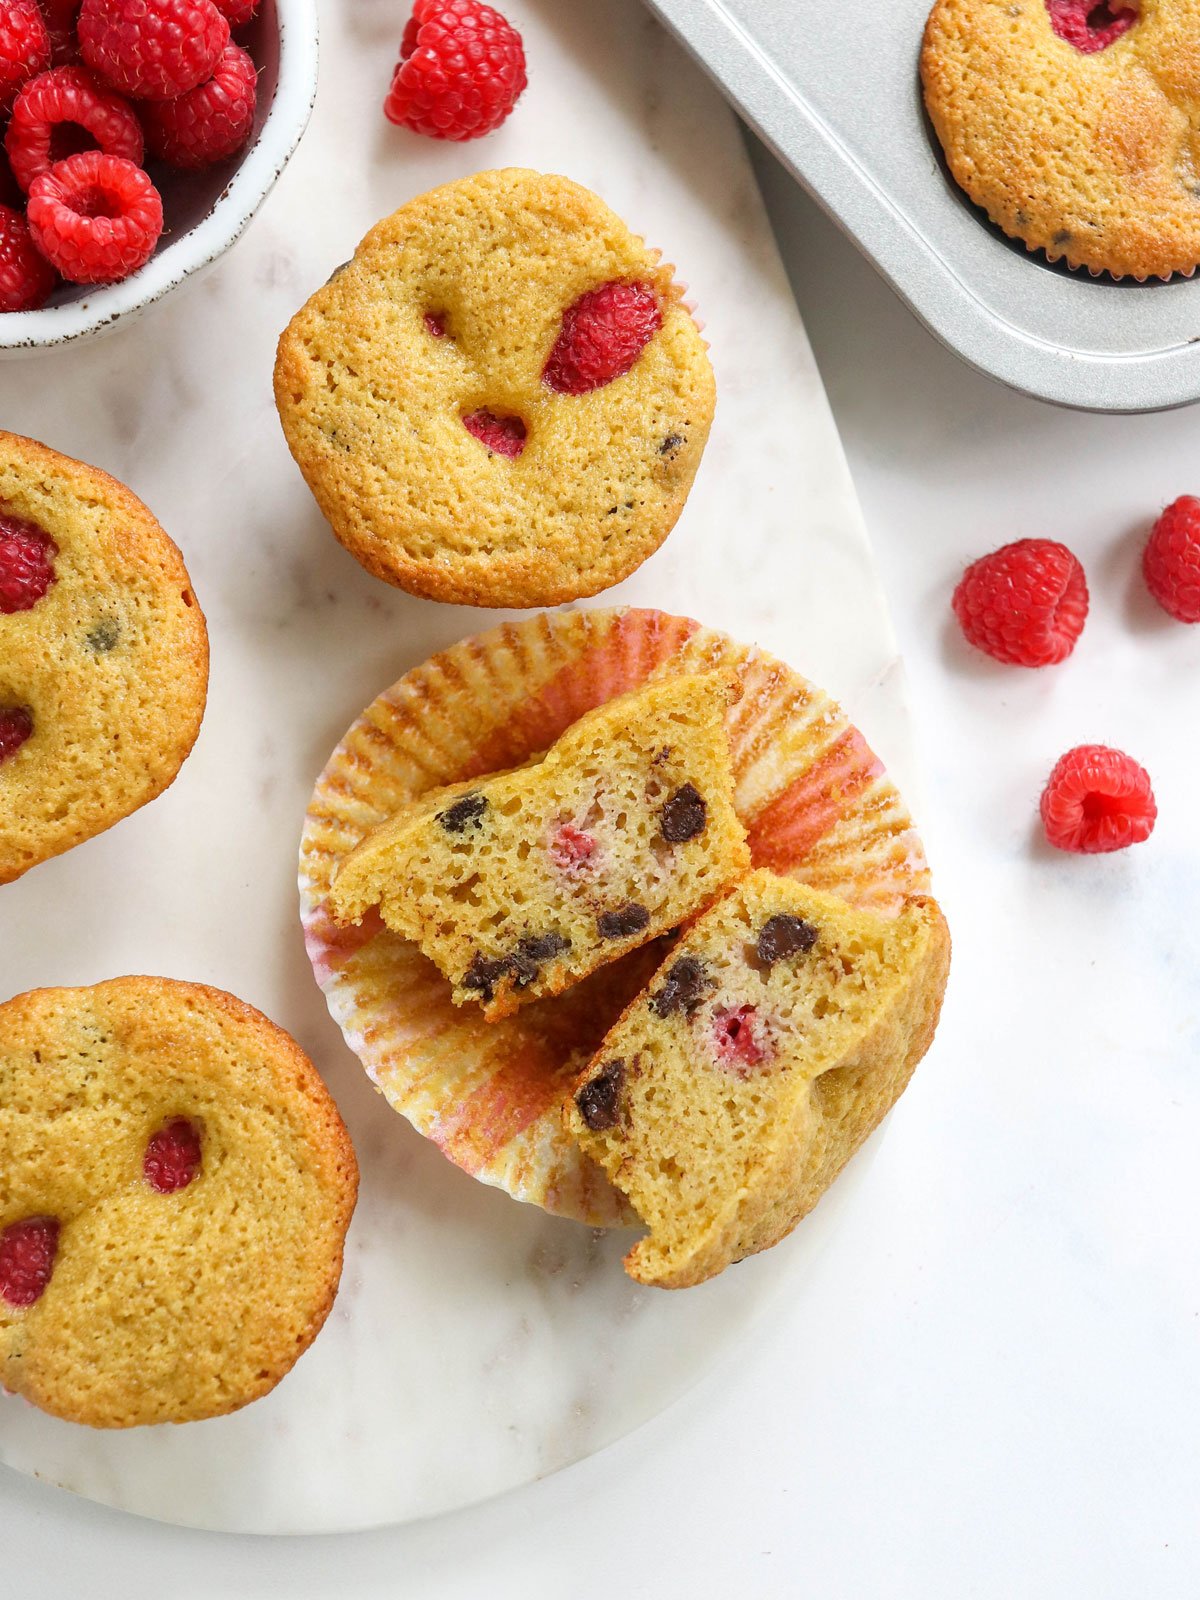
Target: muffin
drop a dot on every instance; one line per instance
(175, 1189)
(103, 655)
(521, 885)
(502, 400)
(1075, 126)
(775, 1037)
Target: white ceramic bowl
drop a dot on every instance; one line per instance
(205, 211)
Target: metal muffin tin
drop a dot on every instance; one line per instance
(834, 90)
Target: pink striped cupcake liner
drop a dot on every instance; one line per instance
(815, 801)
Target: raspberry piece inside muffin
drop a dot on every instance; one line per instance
(602, 335)
(503, 436)
(1088, 26)
(739, 1038)
(16, 725)
(27, 1251)
(26, 564)
(173, 1156)
(571, 848)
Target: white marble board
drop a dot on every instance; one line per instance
(476, 1343)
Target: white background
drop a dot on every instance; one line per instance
(997, 1395)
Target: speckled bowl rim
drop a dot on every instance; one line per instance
(25, 332)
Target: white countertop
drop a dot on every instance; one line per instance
(998, 1396)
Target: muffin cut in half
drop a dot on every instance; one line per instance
(520, 885)
(775, 1037)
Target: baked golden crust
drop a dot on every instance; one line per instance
(111, 662)
(722, 1156)
(165, 1307)
(1093, 158)
(372, 404)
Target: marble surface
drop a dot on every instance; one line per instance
(476, 1343)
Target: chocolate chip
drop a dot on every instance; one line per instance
(622, 923)
(683, 988)
(670, 444)
(104, 636)
(463, 814)
(599, 1101)
(484, 973)
(785, 936)
(684, 815)
(530, 954)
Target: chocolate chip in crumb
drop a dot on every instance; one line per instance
(532, 953)
(484, 973)
(103, 637)
(465, 813)
(624, 922)
(670, 444)
(784, 936)
(683, 988)
(599, 1100)
(684, 815)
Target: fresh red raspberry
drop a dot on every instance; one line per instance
(1098, 799)
(461, 70)
(65, 111)
(1088, 26)
(1025, 604)
(62, 19)
(503, 436)
(97, 218)
(571, 848)
(26, 564)
(601, 337)
(737, 1038)
(152, 49)
(27, 1251)
(208, 123)
(24, 47)
(26, 277)
(237, 13)
(16, 725)
(172, 1157)
(1171, 560)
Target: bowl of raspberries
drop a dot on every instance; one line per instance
(139, 138)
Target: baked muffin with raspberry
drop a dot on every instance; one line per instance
(103, 654)
(519, 886)
(175, 1189)
(775, 1037)
(502, 400)
(1075, 126)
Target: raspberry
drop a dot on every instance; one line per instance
(601, 337)
(461, 70)
(24, 47)
(208, 123)
(1097, 799)
(1025, 604)
(1088, 26)
(152, 49)
(16, 725)
(237, 13)
(172, 1157)
(736, 1037)
(97, 218)
(65, 111)
(435, 324)
(26, 564)
(1171, 560)
(27, 1251)
(26, 277)
(503, 436)
(570, 848)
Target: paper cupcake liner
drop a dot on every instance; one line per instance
(815, 801)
